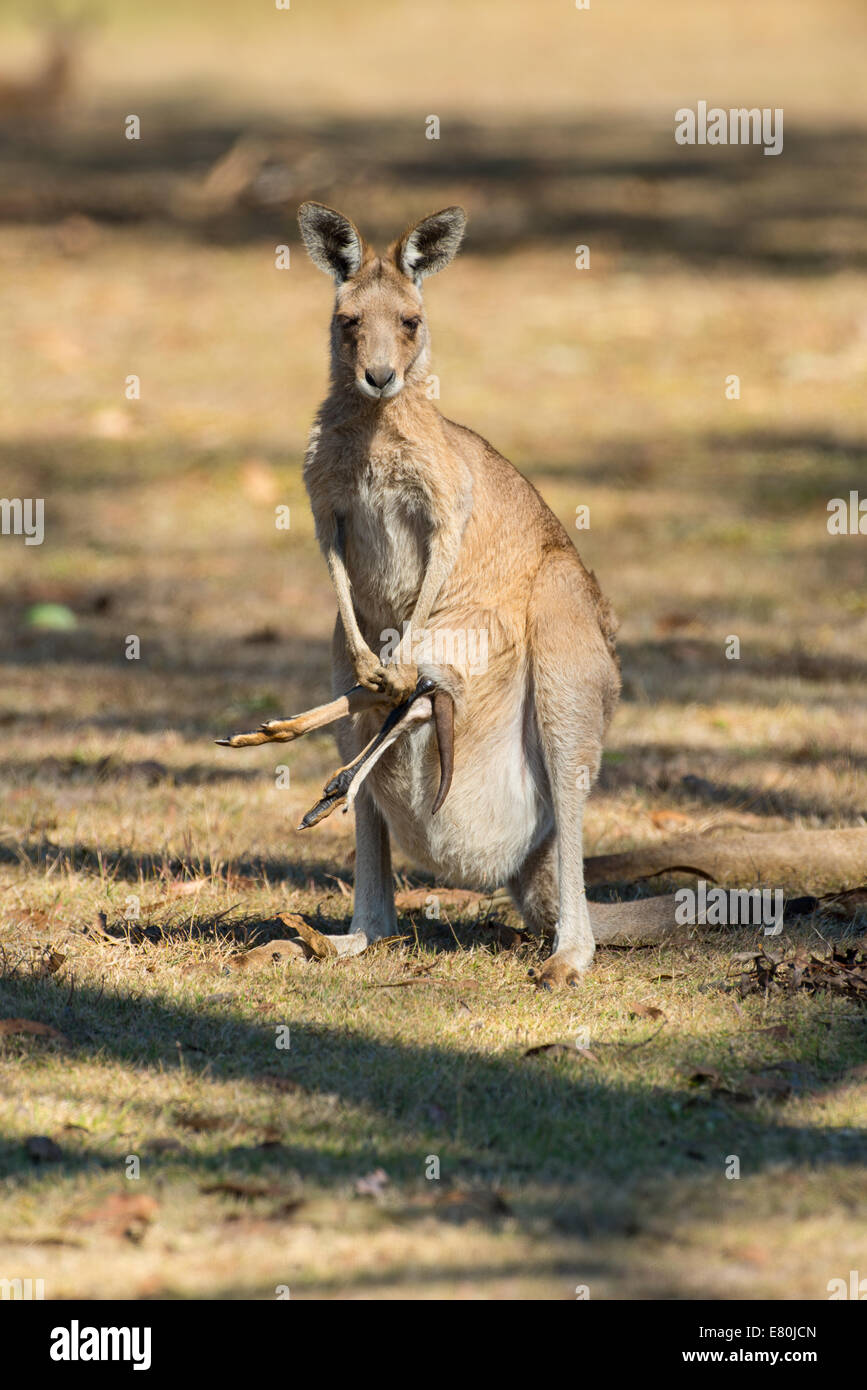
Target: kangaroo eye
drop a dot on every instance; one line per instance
(411, 324)
(346, 321)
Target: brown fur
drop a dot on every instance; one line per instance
(423, 522)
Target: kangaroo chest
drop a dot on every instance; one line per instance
(387, 520)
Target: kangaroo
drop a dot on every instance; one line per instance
(431, 536)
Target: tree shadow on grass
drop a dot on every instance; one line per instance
(136, 866)
(502, 1116)
(566, 1150)
(615, 177)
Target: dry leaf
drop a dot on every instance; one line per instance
(164, 1146)
(460, 1205)
(344, 887)
(767, 1085)
(673, 622)
(562, 1050)
(706, 1076)
(124, 1215)
(321, 947)
(98, 927)
(26, 1025)
(372, 1184)
(668, 820)
(240, 1187)
(186, 887)
(272, 1147)
(272, 953)
(201, 1123)
(647, 1011)
(281, 1083)
(49, 963)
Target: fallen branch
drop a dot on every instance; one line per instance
(805, 861)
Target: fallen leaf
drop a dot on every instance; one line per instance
(372, 1184)
(49, 963)
(321, 947)
(186, 887)
(34, 917)
(201, 1123)
(344, 887)
(282, 1083)
(475, 1204)
(668, 820)
(241, 1187)
(562, 1050)
(259, 481)
(755, 1085)
(26, 1025)
(750, 1254)
(272, 953)
(98, 928)
(271, 1147)
(124, 1215)
(647, 1011)
(54, 617)
(673, 622)
(396, 984)
(706, 1076)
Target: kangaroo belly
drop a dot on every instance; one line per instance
(496, 811)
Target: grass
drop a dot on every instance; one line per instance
(707, 519)
(553, 1171)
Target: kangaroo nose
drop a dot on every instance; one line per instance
(379, 376)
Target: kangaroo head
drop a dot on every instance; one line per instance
(379, 335)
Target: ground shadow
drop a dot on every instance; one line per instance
(612, 180)
(501, 1116)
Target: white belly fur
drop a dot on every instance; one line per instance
(494, 814)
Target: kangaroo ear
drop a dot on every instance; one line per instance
(333, 242)
(432, 244)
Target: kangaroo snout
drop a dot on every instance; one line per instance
(379, 376)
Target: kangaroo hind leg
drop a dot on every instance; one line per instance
(575, 684)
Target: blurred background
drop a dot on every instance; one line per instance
(155, 258)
